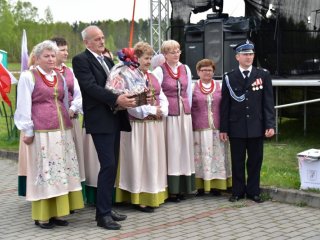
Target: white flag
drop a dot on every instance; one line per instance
(24, 52)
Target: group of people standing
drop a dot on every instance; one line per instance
(177, 144)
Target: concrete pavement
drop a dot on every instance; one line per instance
(204, 217)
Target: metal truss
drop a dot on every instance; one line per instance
(159, 22)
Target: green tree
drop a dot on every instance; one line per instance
(8, 36)
(24, 11)
(48, 17)
(23, 15)
(110, 44)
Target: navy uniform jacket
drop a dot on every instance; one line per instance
(252, 116)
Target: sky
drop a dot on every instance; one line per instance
(93, 10)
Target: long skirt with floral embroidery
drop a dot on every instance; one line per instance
(212, 160)
(52, 166)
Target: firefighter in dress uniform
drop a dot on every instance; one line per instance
(247, 116)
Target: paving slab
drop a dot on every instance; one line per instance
(205, 217)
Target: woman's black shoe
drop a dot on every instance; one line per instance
(145, 209)
(47, 225)
(215, 192)
(59, 222)
(200, 193)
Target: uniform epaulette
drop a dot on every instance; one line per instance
(263, 69)
(229, 72)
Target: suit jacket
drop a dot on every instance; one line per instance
(252, 116)
(98, 103)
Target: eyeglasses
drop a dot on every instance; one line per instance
(206, 70)
(174, 53)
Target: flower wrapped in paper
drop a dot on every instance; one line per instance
(125, 77)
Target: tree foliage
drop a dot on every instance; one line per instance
(24, 11)
(23, 15)
(48, 15)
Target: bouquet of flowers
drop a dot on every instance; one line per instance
(125, 77)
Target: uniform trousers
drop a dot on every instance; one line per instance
(252, 148)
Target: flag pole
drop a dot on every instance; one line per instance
(6, 117)
(132, 24)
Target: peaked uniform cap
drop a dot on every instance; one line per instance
(245, 47)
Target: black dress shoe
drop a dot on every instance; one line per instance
(145, 209)
(108, 223)
(117, 216)
(59, 222)
(48, 225)
(235, 198)
(255, 198)
(181, 197)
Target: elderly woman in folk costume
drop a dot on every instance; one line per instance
(74, 100)
(142, 176)
(212, 162)
(53, 180)
(176, 82)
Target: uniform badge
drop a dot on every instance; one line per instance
(257, 84)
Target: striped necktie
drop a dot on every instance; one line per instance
(103, 64)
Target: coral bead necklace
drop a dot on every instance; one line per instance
(46, 81)
(175, 76)
(207, 90)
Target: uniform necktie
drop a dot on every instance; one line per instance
(103, 64)
(246, 73)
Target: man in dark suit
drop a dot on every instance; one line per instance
(247, 115)
(92, 69)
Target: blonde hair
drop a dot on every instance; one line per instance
(169, 45)
(31, 59)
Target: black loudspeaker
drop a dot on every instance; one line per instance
(210, 40)
(194, 53)
(231, 39)
(213, 43)
(194, 47)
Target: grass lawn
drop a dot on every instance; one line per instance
(280, 167)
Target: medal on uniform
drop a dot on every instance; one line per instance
(253, 86)
(257, 84)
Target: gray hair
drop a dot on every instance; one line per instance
(45, 45)
(84, 33)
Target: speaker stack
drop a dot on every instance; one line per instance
(194, 46)
(209, 39)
